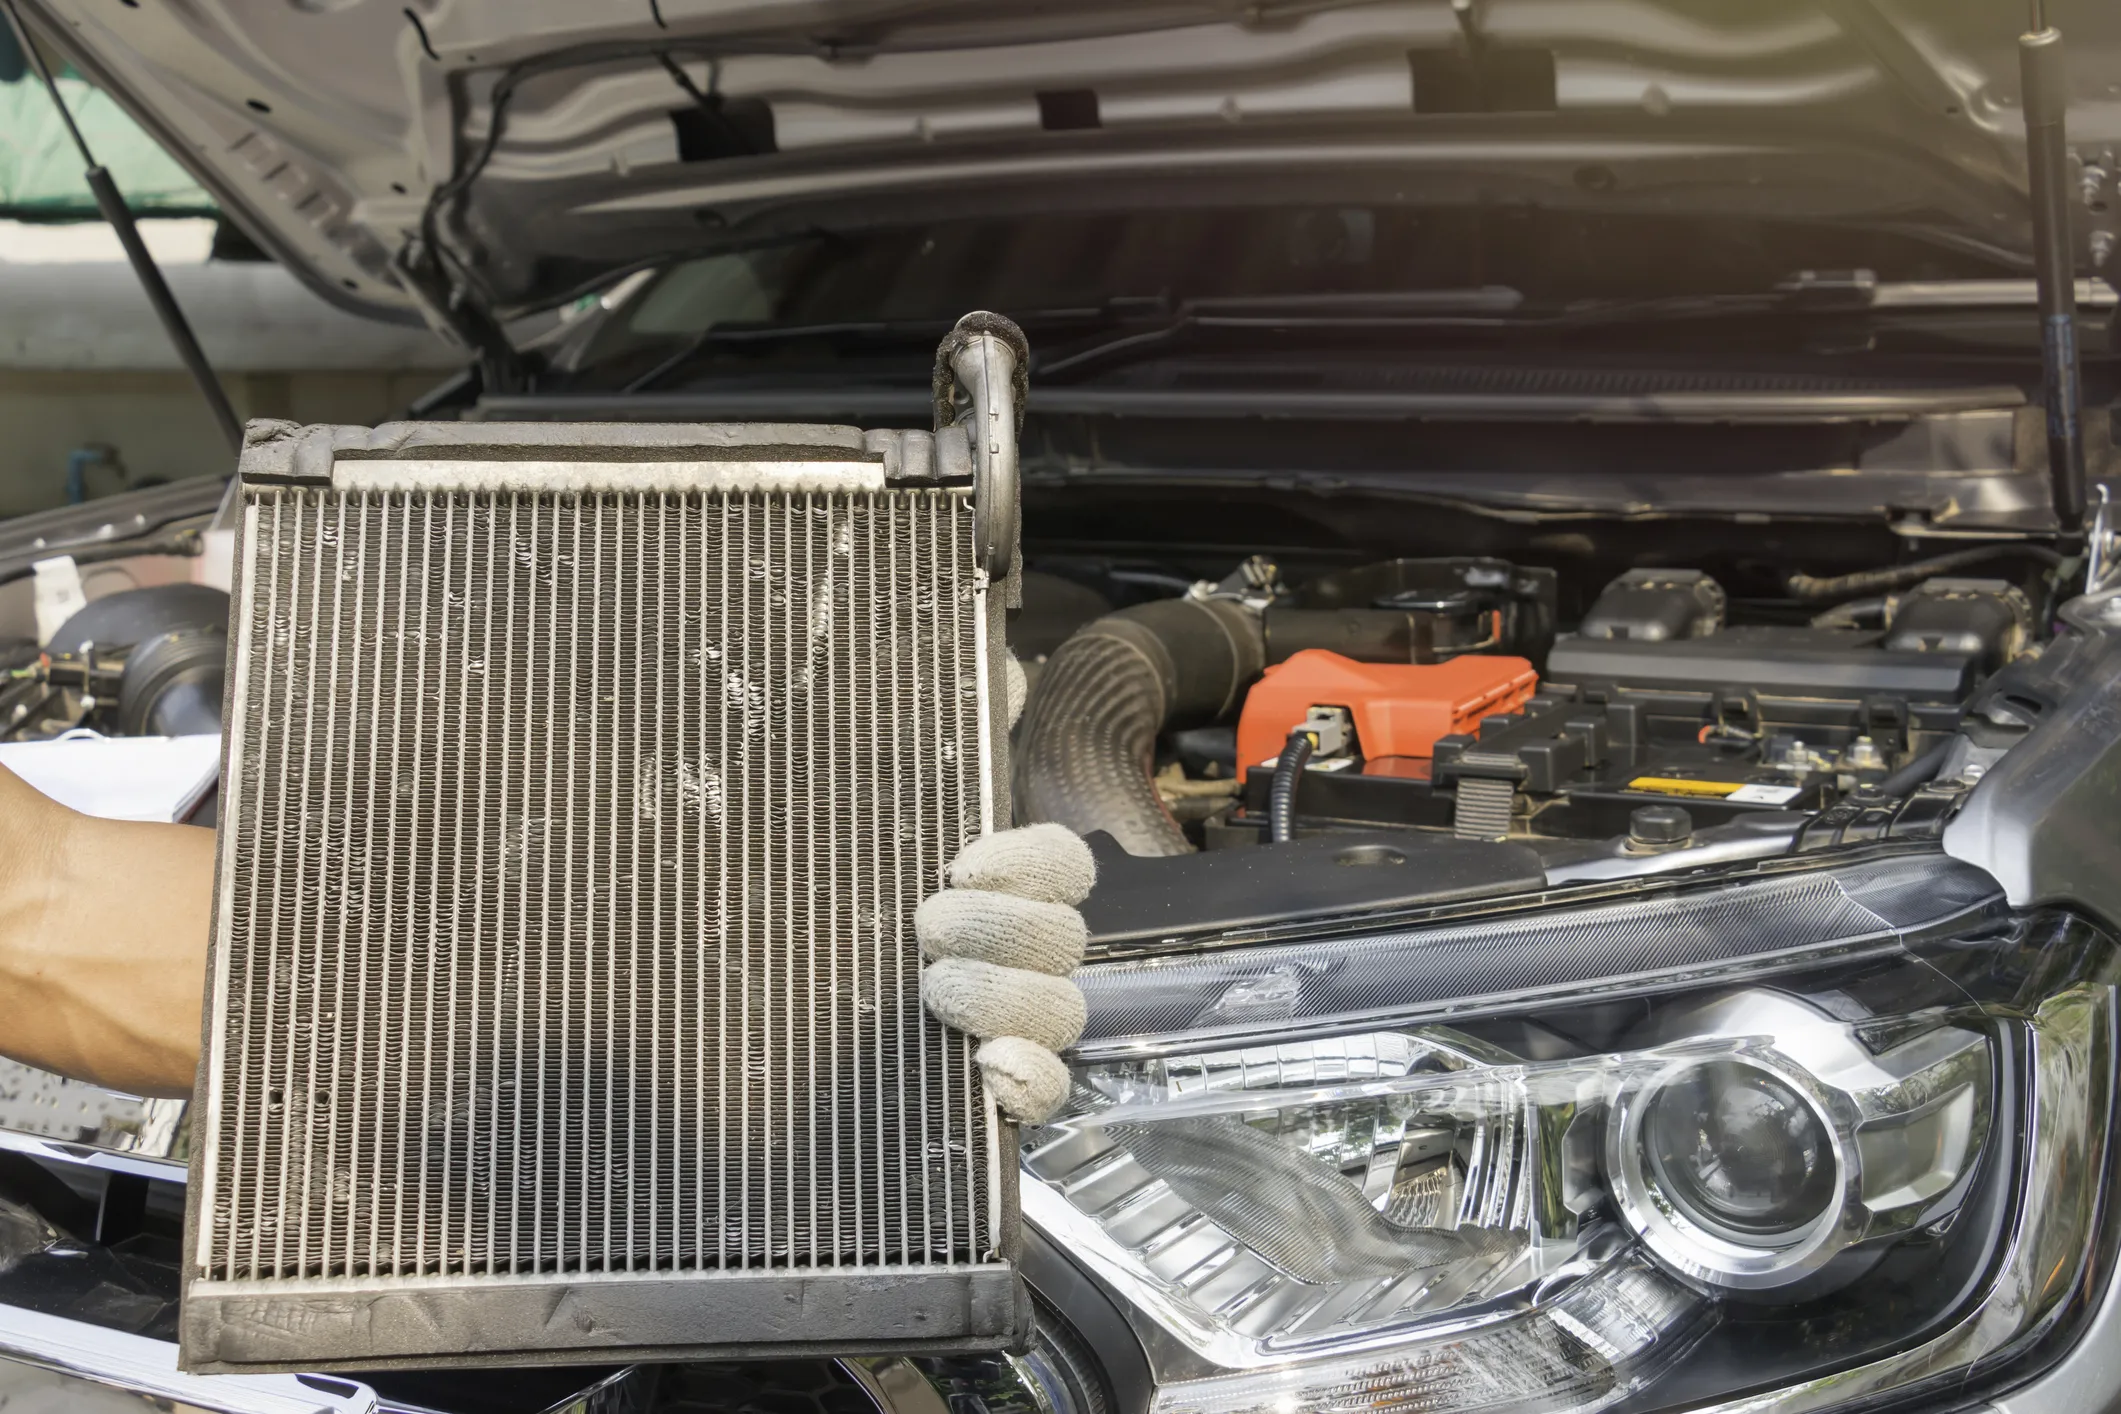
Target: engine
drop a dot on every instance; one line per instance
(1439, 698)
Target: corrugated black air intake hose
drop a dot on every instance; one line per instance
(1088, 741)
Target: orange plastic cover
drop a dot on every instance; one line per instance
(1400, 709)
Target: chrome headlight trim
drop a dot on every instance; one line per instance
(1685, 1239)
(148, 1367)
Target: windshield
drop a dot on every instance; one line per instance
(1056, 269)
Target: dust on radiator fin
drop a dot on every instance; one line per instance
(582, 783)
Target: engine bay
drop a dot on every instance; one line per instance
(1426, 698)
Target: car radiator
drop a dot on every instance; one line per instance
(564, 1000)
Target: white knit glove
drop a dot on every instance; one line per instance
(1000, 943)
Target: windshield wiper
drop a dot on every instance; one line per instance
(1150, 323)
(1482, 308)
(1809, 293)
(1471, 307)
(889, 332)
(741, 336)
(1477, 306)
(1340, 311)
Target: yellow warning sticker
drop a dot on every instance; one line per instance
(1736, 792)
(1674, 785)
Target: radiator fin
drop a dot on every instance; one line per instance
(567, 916)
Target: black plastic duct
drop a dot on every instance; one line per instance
(1088, 742)
(178, 637)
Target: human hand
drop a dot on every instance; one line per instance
(1001, 942)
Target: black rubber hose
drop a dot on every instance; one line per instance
(1281, 795)
(1883, 581)
(1087, 746)
(1918, 772)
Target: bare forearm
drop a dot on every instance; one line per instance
(103, 933)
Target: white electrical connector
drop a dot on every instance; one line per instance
(1331, 730)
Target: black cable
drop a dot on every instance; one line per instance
(111, 202)
(1918, 772)
(1857, 613)
(1281, 795)
(503, 93)
(1808, 589)
(181, 542)
(436, 268)
(711, 99)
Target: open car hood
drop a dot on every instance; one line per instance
(356, 138)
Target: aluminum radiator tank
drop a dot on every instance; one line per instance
(581, 782)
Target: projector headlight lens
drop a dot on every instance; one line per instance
(1736, 1148)
(1786, 1162)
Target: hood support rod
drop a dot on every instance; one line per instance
(2045, 100)
(112, 204)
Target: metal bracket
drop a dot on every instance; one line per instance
(1885, 722)
(2102, 548)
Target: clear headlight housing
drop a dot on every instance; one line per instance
(1821, 1133)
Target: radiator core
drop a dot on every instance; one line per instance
(565, 1000)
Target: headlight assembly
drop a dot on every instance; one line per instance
(1815, 1133)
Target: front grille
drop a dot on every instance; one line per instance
(564, 937)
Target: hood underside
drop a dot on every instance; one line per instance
(504, 155)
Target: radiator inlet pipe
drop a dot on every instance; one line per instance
(982, 371)
(2045, 83)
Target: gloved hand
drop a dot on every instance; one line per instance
(1000, 943)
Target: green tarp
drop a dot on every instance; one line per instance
(40, 170)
